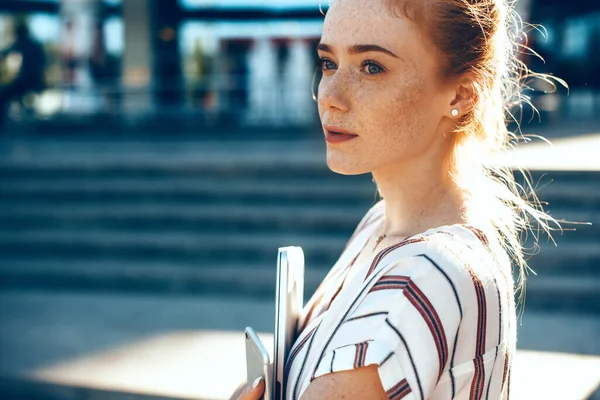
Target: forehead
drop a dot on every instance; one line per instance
(365, 21)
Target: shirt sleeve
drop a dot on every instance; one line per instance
(405, 325)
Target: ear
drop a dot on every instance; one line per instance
(463, 97)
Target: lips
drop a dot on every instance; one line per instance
(338, 130)
(335, 134)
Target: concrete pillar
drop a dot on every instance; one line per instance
(138, 57)
(81, 19)
(297, 79)
(264, 86)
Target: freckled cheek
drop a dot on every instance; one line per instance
(411, 106)
(395, 120)
(391, 105)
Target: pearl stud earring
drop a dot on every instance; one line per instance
(454, 112)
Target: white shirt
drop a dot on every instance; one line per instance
(435, 313)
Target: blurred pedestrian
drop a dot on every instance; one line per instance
(421, 303)
(98, 59)
(29, 77)
(68, 58)
(103, 69)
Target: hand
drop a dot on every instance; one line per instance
(254, 391)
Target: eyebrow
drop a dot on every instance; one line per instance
(358, 48)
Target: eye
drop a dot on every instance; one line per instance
(373, 68)
(326, 64)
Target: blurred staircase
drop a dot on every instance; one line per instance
(201, 218)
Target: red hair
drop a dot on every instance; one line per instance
(481, 40)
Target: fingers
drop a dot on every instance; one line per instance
(255, 391)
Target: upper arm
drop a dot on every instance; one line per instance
(362, 383)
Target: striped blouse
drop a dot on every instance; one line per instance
(435, 313)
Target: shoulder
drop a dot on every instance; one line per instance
(451, 276)
(456, 283)
(457, 255)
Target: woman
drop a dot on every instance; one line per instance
(420, 303)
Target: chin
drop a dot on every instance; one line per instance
(344, 164)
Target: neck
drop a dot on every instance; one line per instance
(424, 198)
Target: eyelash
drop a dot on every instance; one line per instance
(366, 63)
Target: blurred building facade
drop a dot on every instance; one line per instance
(245, 62)
(568, 40)
(250, 64)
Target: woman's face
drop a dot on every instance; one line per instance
(393, 103)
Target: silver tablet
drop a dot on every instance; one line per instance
(288, 306)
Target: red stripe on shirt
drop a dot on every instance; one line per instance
(388, 250)
(422, 304)
(479, 375)
(361, 354)
(478, 379)
(390, 282)
(431, 317)
(401, 390)
(506, 373)
(479, 233)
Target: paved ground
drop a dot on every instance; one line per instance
(196, 342)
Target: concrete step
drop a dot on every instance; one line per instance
(166, 246)
(322, 187)
(237, 164)
(338, 214)
(111, 217)
(186, 241)
(567, 194)
(191, 191)
(330, 218)
(575, 293)
(321, 248)
(53, 157)
(158, 170)
(567, 259)
(165, 151)
(579, 291)
(162, 166)
(251, 280)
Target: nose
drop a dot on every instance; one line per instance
(332, 93)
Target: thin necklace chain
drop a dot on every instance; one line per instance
(377, 242)
(381, 237)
